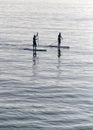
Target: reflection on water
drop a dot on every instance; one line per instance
(59, 52)
(59, 69)
(35, 58)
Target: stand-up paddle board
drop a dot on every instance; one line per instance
(39, 49)
(64, 47)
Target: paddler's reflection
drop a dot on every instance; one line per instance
(59, 52)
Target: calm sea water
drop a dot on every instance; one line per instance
(46, 92)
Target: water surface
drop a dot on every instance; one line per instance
(46, 92)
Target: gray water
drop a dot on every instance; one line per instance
(46, 92)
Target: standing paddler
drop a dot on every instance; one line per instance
(59, 39)
(59, 42)
(35, 43)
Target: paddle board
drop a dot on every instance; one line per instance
(40, 49)
(64, 47)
